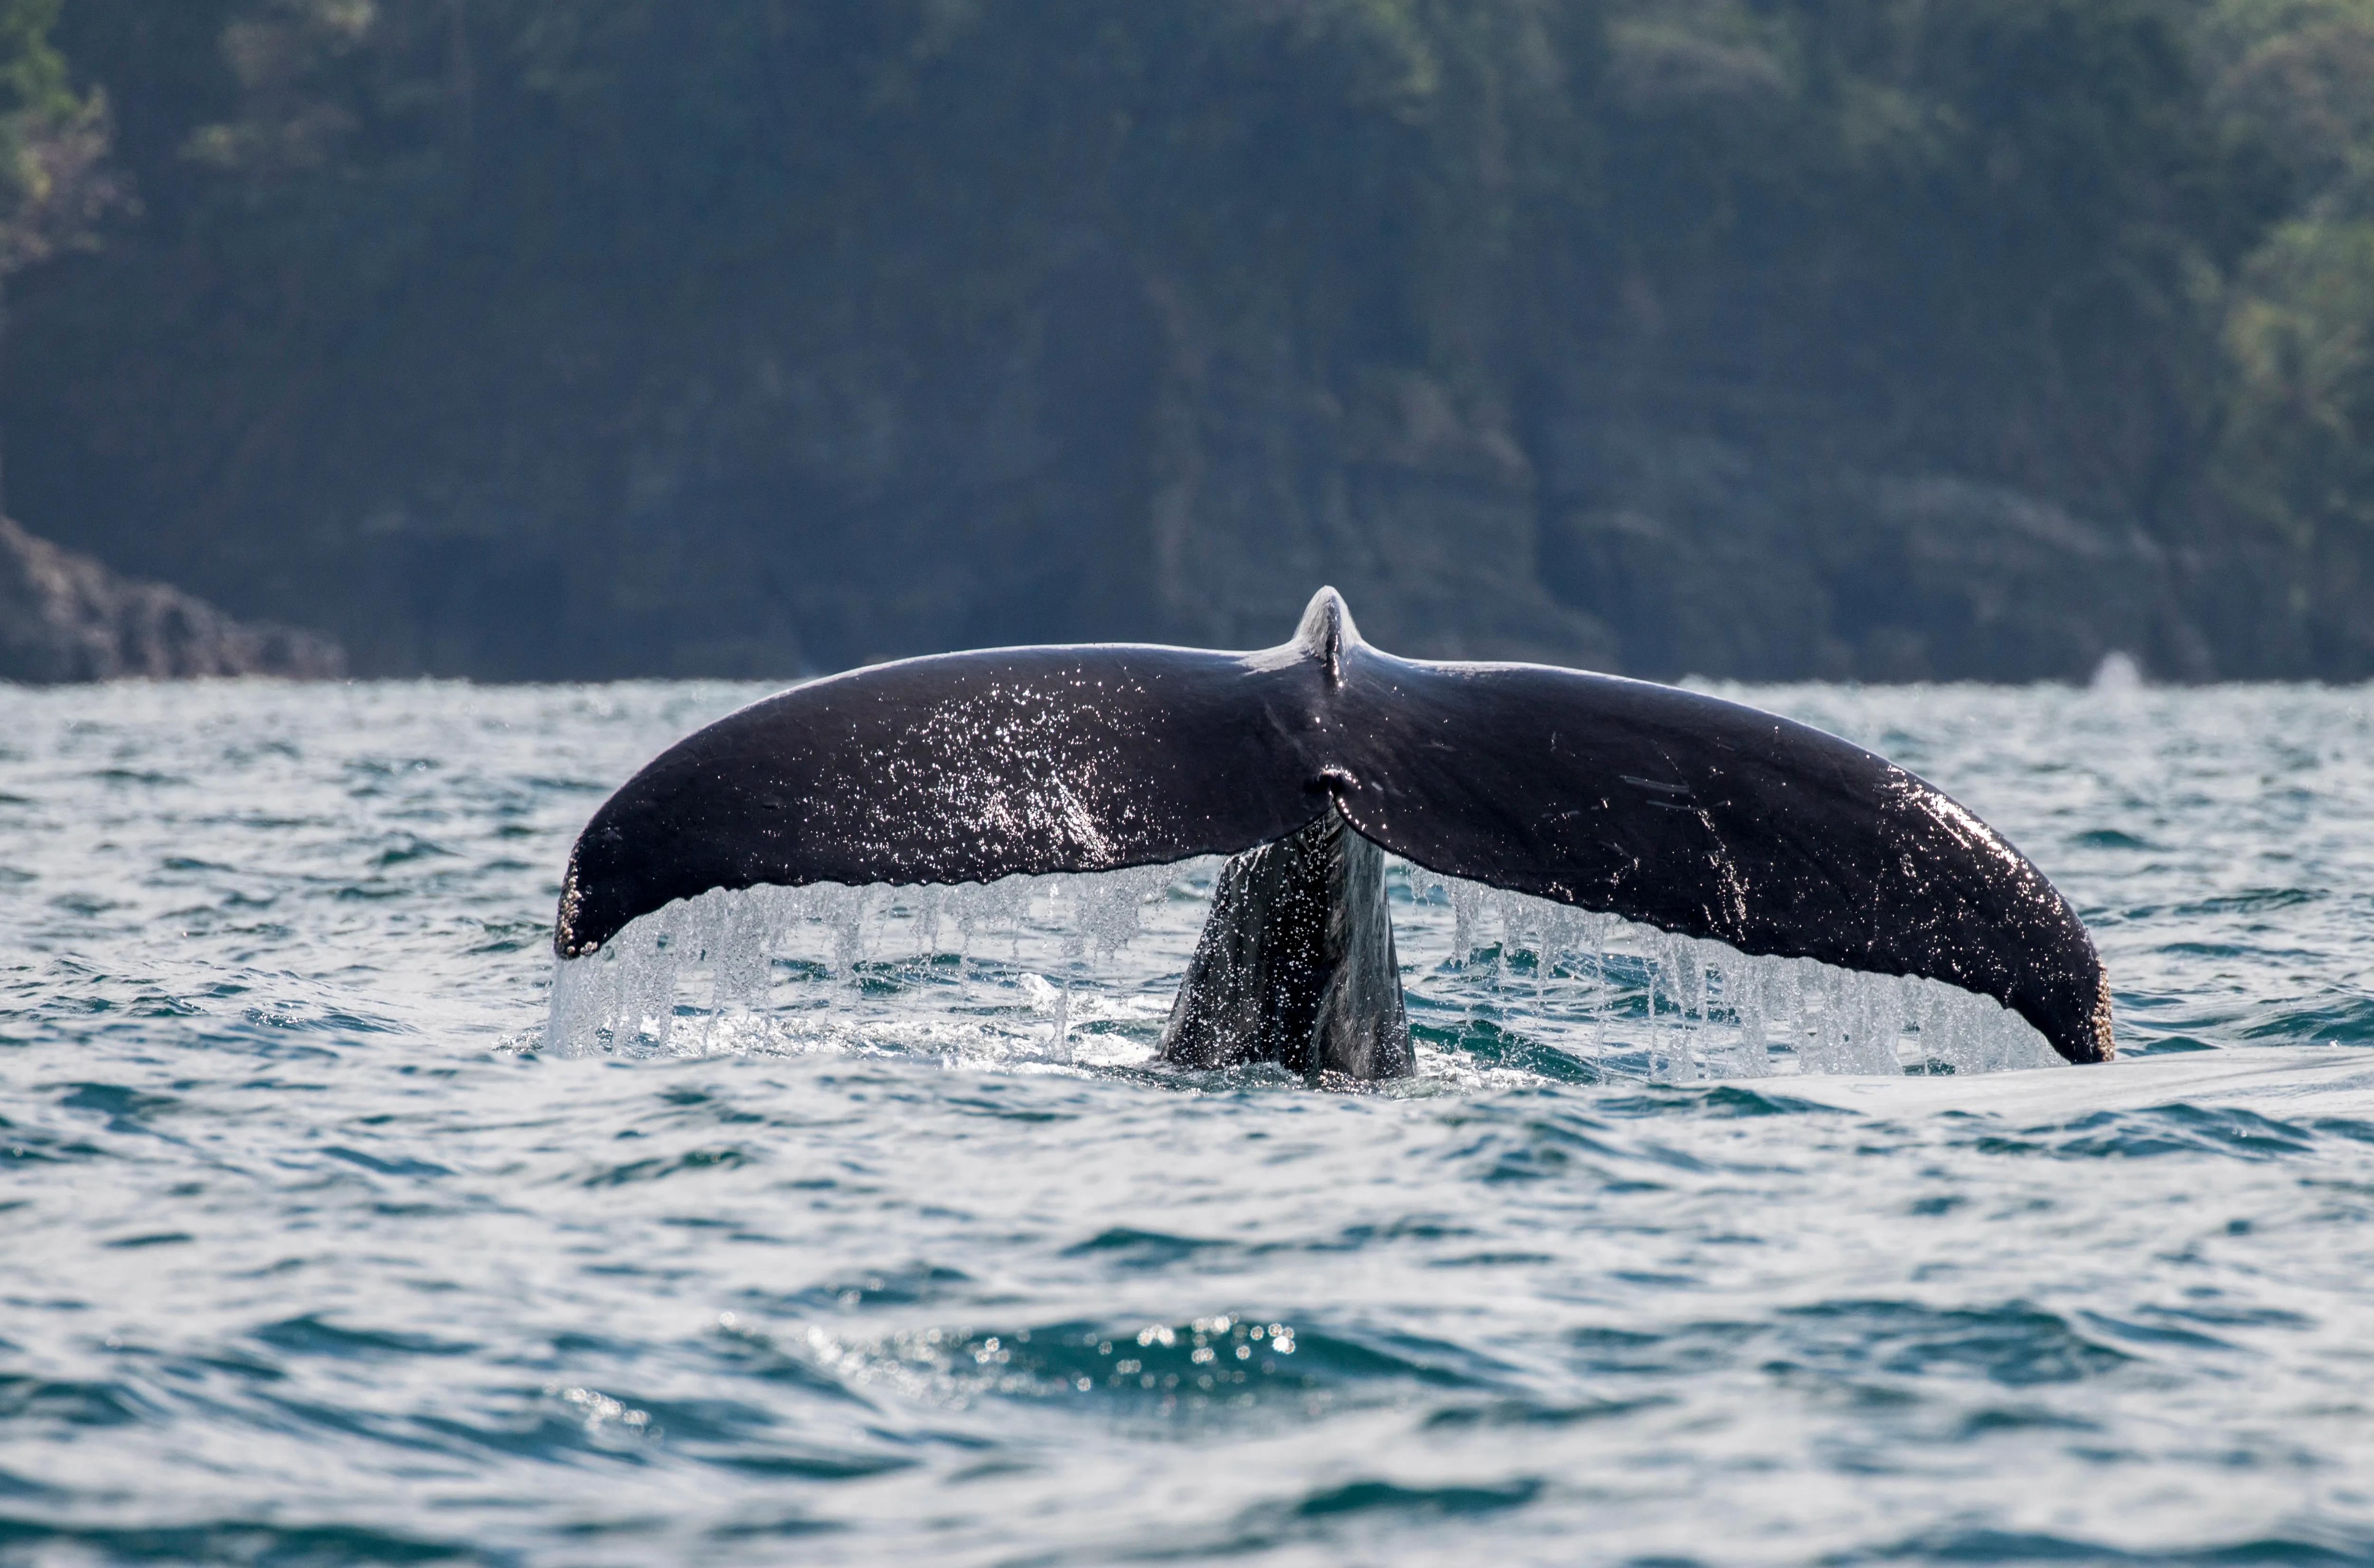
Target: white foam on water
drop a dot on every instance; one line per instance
(1079, 970)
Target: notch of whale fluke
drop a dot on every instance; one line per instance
(1667, 807)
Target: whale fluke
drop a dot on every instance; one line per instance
(1682, 811)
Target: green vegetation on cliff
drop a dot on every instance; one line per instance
(1757, 337)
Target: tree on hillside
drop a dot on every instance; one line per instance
(53, 181)
(2295, 459)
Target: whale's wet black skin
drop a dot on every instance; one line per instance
(1296, 963)
(1682, 811)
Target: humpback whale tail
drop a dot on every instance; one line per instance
(1307, 762)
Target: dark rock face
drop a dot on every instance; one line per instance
(64, 617)
(1103, 463)
(1730, 560)
(1387, 489)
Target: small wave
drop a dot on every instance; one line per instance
(1523, 1412)
(2164, 1045)
(410, 850)
(661, 1168)
(1206, 1367)
(916, 1285)
(310, 1016)
(780, 1526)
(243, 1541)
(62, 1402)
(2254, 901)
(2158, 1131)
(142, 777)
(1131, 1248)
(25, 1146)
(312, 1335)
(2017, 1345)
(2340, 1020)
(389, 1165)
(126, 1109)
(567, 786)
(1726, 1101)
(1988, 1546)
(1343, 1515)
(1486, 1043)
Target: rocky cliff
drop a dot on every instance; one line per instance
(1799, 339)
(1110, 466)
(64, 617)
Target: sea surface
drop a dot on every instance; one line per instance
(861, 1227)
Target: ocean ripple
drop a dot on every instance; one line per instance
(317, 1254)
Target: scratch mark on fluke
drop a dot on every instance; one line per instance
(1739, 826)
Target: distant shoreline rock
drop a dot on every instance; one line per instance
(63, 618)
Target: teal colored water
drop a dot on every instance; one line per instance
(320, 1250)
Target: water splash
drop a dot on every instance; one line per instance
(1080, 969)
(2118, 675)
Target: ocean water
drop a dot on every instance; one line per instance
(859, 1226)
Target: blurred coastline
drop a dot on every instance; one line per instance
(561, 339)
